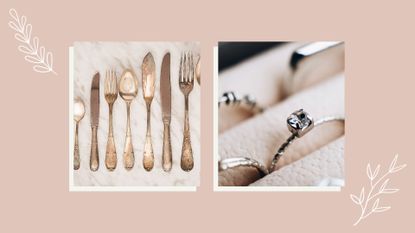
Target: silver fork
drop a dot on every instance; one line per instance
(111, 94)
(186, 80)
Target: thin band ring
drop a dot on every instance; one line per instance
(299, 123)
(242, 162)
(247, 101)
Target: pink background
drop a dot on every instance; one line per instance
(379, 104)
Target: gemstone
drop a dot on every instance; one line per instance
(300, 122)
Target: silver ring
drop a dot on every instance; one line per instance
(242, 162)
(247, 102)
(300, 123)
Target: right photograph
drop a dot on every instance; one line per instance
(281, 114)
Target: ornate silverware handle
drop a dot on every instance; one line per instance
(111, 154)
(148, 158)
(76, 159)
(94, 160)
(167, 154)
(186, 162)
(128, 147)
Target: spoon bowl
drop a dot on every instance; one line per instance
(128, 86)
(78, 109)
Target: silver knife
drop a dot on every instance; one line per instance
(165, 92)
(94, 159)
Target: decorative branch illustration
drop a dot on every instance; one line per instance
(42, 60)
(375, 191)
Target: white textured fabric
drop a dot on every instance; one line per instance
(259, 137)
(100, 56)
(323, 167)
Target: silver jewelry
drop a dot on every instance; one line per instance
(247, 101)
(242, 162)
(299, 123)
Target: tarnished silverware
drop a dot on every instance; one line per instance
(186, 80)
(165, 93)
(148, 70)
(78, 114)
(128, 91)
(111, 94)
(94, 159)
(198, 71)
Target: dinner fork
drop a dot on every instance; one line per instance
(186, 80)
(111, 94)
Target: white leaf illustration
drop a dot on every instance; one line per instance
(35, 43)
(14, 26)
(355, 199)
(41, 69)
(13, 14)
(383, 186)
(376, 172)
(398, 168)
(362, 195)
(49, 59)
(24, 49)
(35, 54)
(390, 190)
(369, 172)
(28, 32)
(393, 163)
(23, 22)
(20, 38)
(381, 209)
(375, 204)
(376, 184)
(32, 59)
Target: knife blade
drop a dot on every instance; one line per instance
(94, 101)
(165, 92)
(165, 88)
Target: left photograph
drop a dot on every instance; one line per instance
(134, 116)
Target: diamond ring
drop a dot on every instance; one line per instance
(225, 164)
(247, 101)
(299, 123)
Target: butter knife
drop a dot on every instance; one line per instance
(165, 93)
(94, 159)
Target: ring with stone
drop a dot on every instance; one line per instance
(247, 102)
(225, 164)
(300, 123)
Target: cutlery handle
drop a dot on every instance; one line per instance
(167, 154)
(128, 148)
(186, 162)
(111, 153)
(76, 159)
(148, 158)
(94, 160)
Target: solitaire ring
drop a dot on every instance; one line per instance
(225, 164)
(247, 101)
(300, 123)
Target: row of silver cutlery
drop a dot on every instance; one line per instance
(127, 88)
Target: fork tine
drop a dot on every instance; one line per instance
(114, 82)
(187, 67)
(106, 82)
(182, 67)
(192, 68)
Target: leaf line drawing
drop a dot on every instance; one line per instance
(375, 190)
(35, 54)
